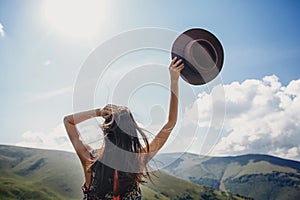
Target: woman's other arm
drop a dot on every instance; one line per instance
(70, 122)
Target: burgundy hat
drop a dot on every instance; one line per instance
(201, 53)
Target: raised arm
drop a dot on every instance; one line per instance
(70, 122)
(160, 139)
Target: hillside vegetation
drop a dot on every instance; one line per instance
(28, 173)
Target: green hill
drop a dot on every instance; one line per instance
(257, 176)
(28, 173)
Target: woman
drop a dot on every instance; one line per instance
(116, 170)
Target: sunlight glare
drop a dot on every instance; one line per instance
(77, 19)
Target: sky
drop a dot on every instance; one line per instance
(59, 57)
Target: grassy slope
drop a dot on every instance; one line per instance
(175, 188)
(44, 174)
(33, 174)
(257, 176)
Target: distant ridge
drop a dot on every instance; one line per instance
(262, 157)
(255, 175)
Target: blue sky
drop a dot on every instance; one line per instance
(43, 46)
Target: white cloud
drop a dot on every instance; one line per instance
(1, 30)
(54, 139)
(262, 116)
(57, 138)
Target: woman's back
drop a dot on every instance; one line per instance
(104, 182)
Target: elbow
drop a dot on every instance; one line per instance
(171, 124)
(67, 120)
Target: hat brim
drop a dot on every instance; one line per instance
(190, 73)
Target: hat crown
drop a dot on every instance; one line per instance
(201, 55)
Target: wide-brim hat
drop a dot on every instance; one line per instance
(201, 53)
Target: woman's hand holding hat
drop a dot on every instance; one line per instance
(175, 68)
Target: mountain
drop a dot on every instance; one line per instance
(28, 173)
(257, 176)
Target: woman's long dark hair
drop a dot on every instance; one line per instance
(122, 148)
